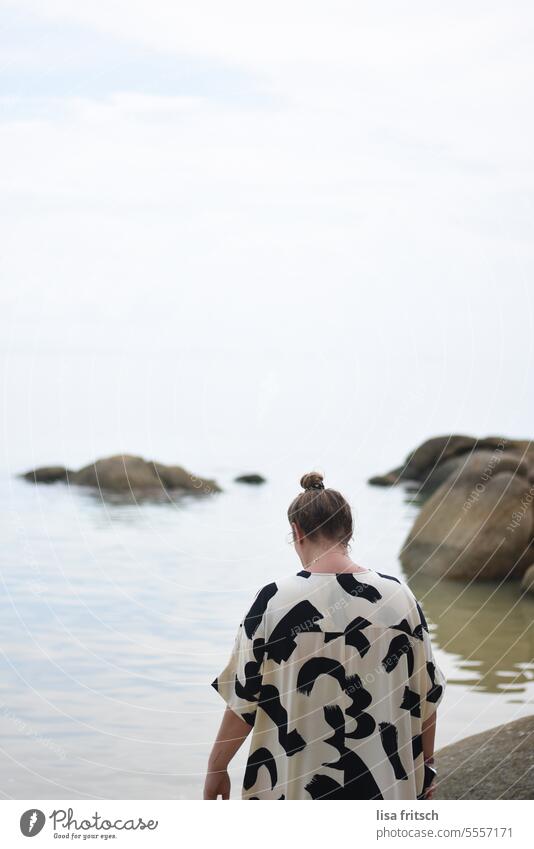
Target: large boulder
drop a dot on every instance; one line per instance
(527, 581)
(124, 473)
(430, 454)
(478, 524)
(435, 459)
(495, 764)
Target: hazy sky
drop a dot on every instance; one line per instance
(353, 179)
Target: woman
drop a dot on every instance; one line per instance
(332, 670)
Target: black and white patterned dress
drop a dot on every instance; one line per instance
(335, 673)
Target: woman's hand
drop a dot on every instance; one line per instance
(217, 784)
(232, 733)
(430, 790)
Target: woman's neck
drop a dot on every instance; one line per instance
(331, 561)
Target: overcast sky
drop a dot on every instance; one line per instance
(353, 175)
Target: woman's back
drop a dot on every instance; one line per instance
(336, 675)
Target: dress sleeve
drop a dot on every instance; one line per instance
(432, 679)
(239, 682)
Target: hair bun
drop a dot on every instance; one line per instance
(313, 480)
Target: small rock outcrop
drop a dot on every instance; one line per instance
(48, 474)
(496, 764)
(252, 477)
(125, 473)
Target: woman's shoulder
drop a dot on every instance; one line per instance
(394, 587)
(297, 584)
(275, 588)
(389, 577)
(278, 592)
(402, 597)
(384, 600)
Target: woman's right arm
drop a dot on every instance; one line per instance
(232, 734)
(429, 735)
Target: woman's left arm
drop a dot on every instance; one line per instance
(232, 733)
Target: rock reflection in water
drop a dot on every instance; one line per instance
(487, 626)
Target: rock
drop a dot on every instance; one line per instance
(478, 521)
(441, 472)
(253, 477)
(47, 474)
(496, 764)
(125, 473)
(478, 524)
(434, 451)
(426, 457)
(176, 477)
(117, 474)
(527, 581)
(435, 459)
(389, 479)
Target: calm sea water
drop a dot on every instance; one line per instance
(115, 617)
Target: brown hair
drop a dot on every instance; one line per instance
(321, 512)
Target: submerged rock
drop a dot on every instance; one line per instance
(125, 473)
(496, 764)
(253, 477)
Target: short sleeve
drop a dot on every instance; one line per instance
(239, 683)
(433, 680)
